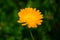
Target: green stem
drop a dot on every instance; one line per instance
(31, 35)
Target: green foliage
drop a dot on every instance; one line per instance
(10, 29)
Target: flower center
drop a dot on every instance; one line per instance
(29, 17)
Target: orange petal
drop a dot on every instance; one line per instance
(24, 24)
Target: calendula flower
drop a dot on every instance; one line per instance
(30, 17)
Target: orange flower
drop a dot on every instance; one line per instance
(30, 17)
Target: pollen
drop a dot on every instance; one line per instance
(30, 17)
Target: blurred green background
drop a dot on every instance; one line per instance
(11, 30)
